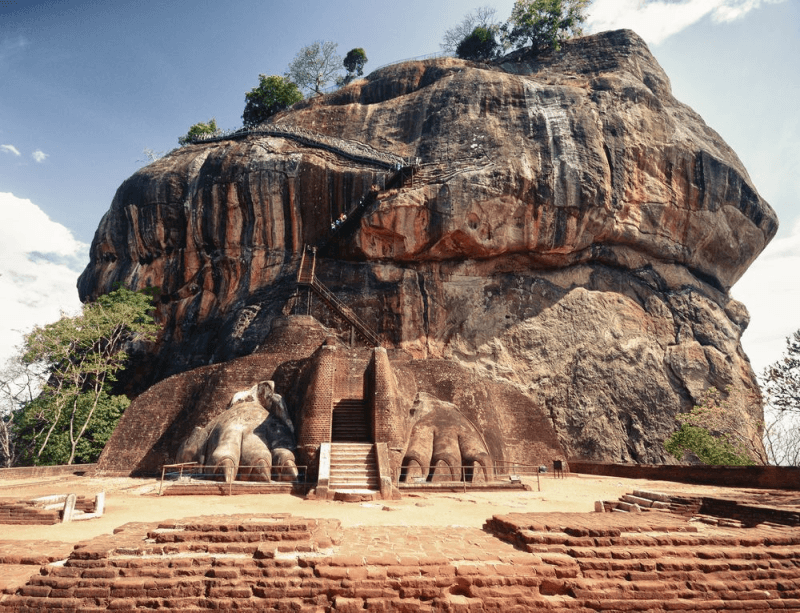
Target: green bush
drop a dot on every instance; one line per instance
(479, 45)
(273, 94)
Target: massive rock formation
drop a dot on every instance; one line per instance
(572, 232)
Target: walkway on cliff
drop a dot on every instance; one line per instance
(350, 149)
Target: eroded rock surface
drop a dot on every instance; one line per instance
(573, 230)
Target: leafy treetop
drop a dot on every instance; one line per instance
(355, 60)
(315, 66)
(80, 356)
(483, 17)
(782, 379)
(545, 24)
(479, 45)
(199, 129)
(273, 94)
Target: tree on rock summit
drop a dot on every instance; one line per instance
(315, 66)
(545, 23)
(480, 45)
(354, 62)
(273, 94)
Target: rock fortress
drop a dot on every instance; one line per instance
(443, 276)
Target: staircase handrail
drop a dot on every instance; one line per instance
(345, 311)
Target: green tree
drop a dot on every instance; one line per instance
(713, 432)
(315, 66)
(781, 380)
(354, 62)
(273, 94)
(479, 45)
(482, 17)
(544, 24)
(80, 357)
(208, 128)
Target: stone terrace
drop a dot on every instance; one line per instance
(544, 561)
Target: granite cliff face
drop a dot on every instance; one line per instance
(571, 230)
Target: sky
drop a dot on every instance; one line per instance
(87, 86)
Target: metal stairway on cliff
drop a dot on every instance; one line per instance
(307, 278)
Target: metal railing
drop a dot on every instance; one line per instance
(353, 150)
(461, 476)
(193, 473)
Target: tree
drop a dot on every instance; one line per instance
(81, 356)
(354, 62)
(151, 155)
(481, 17)
(714, 433)
(315, 66)
(782, 438)
(480, 45)
(544, 23)
(199, 129)
(273, 94)
(19, 386)
(782, 379)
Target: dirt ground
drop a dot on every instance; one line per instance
(137, 500)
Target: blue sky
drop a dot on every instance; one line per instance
(86, 86)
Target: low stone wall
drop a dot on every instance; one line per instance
(29, 472)
(769, 477)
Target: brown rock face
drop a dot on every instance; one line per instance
(572, 231)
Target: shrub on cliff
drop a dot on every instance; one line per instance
(76, 359)
(713, 433)
(208, 128)
(479, 45)
(544, 24)
(273, 94)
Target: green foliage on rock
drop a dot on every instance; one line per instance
(38, 416)
(545, 24)
(354, 63)
(208, 128)
(713, 433)
(273, 94)
(78, 358)
(479, 45)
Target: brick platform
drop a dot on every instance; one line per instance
(554, 562)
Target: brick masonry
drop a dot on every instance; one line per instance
(557, 562)
(771, 477)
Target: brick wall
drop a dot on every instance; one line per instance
(770, 477)
(27, 472)
(389, 421)
(315, 415)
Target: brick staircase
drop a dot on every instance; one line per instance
(349, 422)
(354, 467)
(559, 562)
(656, 562)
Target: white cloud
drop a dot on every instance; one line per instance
(657, 20)
(39, 155)
(10, 149)
(771, 291)
(40, 262)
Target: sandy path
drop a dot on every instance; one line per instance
(136, 500)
